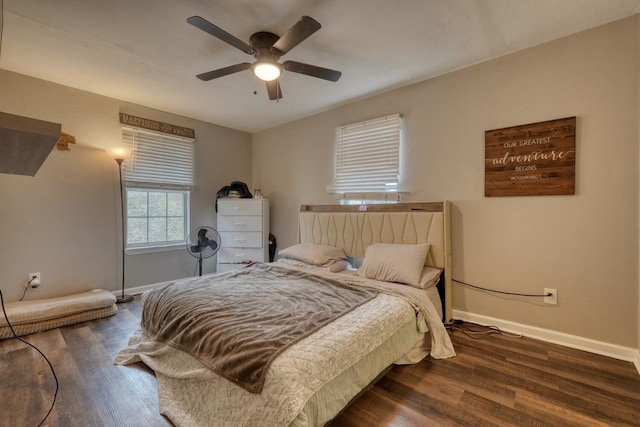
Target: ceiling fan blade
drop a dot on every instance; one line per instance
(219, 33)
(312, 70)
(273, 89)
(296, 34)
(221, 72)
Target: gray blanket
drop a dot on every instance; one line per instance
(237, 323)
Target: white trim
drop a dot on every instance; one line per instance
(573, 341)
(139, 289)
(152, 249)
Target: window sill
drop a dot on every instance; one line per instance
(153, 249)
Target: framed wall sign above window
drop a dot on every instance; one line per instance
(537, 159)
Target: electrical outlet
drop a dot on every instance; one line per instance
(551, 296)
(33, 280)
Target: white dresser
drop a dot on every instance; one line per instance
(243, 225)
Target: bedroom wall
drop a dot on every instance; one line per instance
(64, 222)
(585, 245)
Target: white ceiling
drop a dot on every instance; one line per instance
(143, 51)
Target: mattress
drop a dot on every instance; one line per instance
(29, 317)
(325, 404)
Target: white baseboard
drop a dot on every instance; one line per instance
(139, 289)
(573, 341)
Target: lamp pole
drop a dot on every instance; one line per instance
(120, 154)
(122, 298)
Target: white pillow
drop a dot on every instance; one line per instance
(313, 254)
(394, 263)
(333, 266)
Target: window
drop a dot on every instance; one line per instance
(368, 160)
(156, 217)
(158, 180)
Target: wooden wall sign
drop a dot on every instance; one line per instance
(537, 159)
(127, 119)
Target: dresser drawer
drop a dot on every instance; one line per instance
(243, 225)
(239, 223)
(241, 239)
(239, 207)
(237, 255)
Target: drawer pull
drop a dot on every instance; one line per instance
(240, 224)
(239, 255)
(241, 240)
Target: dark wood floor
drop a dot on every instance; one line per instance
(496, 380)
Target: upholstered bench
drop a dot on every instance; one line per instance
(28, 317)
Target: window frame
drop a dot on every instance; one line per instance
(155, 173)
(159, 246)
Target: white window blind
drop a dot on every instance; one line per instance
(159, 160)
(368, 156)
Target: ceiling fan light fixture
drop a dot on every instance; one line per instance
(267, 71)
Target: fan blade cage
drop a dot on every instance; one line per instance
(203, 242)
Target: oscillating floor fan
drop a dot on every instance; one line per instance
(203, 242)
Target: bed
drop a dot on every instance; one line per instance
(362, 326)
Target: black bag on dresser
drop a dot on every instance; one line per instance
(236, 187)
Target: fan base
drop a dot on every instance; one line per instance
(124, 298)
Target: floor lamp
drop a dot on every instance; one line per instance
(120, 154)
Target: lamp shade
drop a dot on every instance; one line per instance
(267, 71)
(119, 153)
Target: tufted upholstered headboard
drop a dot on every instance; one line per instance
(353, 228)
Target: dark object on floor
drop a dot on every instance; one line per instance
(272, 247)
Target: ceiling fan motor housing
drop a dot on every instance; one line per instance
(262, 42)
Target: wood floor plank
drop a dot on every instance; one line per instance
(19, 379)
(492, 411)
(432, 385)
(494, 380)
(557, 413)
(430, 406)
(369, 412)
(465, 376)
(576, 403)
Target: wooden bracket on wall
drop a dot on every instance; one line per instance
(64, 141)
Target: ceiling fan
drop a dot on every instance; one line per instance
(267, 48)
